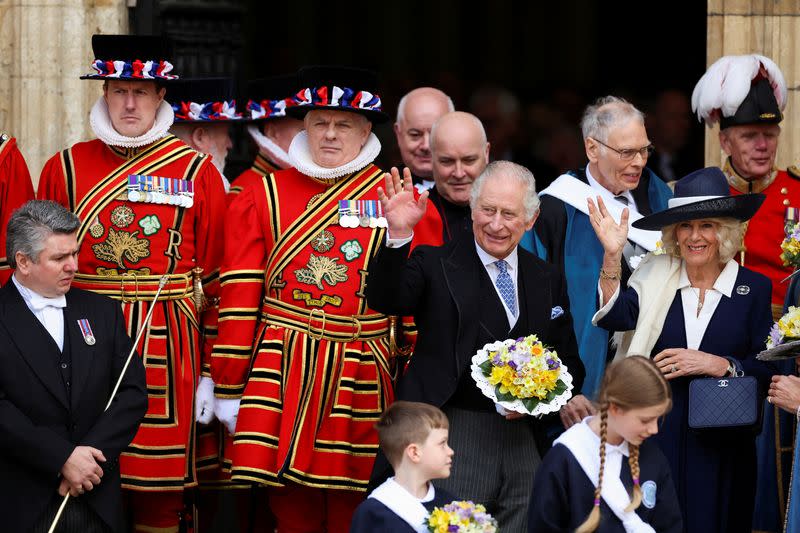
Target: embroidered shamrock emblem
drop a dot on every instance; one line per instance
(351, 250)
(150, 224)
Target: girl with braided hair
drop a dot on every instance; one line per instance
(604, 468)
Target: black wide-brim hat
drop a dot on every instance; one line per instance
(338, 88)
(700, 195)
(203, 100)
(131, 58)
(268, 98)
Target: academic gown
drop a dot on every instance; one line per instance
(563, 494)
(371, 515)
(714, 470)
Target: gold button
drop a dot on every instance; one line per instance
(784, 191)
(786, 202)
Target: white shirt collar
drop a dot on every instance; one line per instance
(486, 259)
(724, 282)
(605, 192)
(37, 302)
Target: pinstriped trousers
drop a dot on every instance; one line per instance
(494, 464)
(77, 517)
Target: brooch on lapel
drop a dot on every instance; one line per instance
(86, 330)
(742, 290)
(556, 312)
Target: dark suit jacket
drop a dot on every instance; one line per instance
(439, 286)
(41, 424)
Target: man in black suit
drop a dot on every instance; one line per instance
(452, 293)
(61, 353)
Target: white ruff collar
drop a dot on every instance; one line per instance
(300, 157)
(274, 152)
(102, 127)
(404, 504)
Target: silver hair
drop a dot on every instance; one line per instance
(729, 236)
(507, 169)
(606, 113)
(475, 120)
(31, 224)
(401, 107)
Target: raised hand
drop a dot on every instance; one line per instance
(401, 209)
(611, 235)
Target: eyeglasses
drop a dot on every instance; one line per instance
(629, 153)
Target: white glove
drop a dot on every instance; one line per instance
(204, 401)
(227, 412)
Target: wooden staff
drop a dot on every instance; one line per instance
(161, 284)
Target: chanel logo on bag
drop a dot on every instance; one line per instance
(723, 383)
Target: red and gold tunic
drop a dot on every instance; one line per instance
(297, 342)
(125, 248)
(15, 189)
(252, 176)
(766, 230)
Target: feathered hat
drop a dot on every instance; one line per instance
(738, 90)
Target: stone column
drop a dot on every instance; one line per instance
(45, 45)
(768, 28)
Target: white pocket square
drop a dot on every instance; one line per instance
(556, 312)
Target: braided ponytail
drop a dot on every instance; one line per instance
(593, 520)
(633, 462)
(631, 383)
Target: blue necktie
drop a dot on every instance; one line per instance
(506, 287)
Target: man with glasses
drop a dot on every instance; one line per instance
(617, 147)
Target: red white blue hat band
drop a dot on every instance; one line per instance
(338, 97)
(269, 108)
(207, 112)
(131, 70)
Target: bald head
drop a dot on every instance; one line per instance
(416, 113)
(460, 152)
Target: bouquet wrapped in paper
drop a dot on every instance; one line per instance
(522, 375)
(784, 338)
(461, 517)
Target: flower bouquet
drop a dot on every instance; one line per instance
(790, 247)
(461, 517)
(784, 338)
(522, 375)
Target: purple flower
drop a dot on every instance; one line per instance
(513, 365)
(453, 528)
(552, 364)
(496, 360)
(775, 335)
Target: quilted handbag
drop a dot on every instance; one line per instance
(724, 403)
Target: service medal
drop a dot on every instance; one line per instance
(86, 331)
